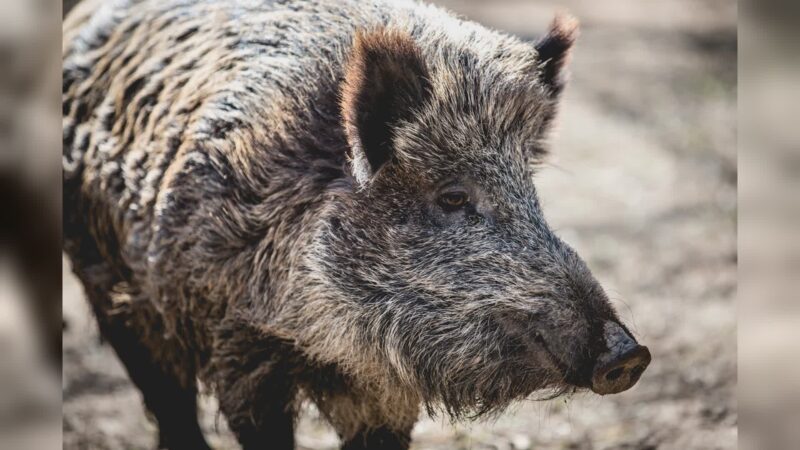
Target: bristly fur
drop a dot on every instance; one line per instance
(250, 198)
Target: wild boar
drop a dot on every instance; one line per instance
(326, 201)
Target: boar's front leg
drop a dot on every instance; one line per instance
(255, 386)
(380, 438)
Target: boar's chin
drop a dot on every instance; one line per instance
(490, 392)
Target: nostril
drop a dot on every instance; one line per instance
(637, 371)
(614, 374)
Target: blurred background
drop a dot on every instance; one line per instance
(30, 225)
(769, 220)
(642, 181)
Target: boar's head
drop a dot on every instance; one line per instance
(440, 249)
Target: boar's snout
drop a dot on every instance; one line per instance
(620, 367)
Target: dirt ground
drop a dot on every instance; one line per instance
(642, 182)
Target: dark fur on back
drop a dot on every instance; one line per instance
(250, 190)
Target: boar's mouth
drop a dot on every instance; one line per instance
(571, 378)
(576, 379)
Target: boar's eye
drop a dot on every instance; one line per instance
(451, 201)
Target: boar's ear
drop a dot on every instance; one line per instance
(385, 80)
(554, 51)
